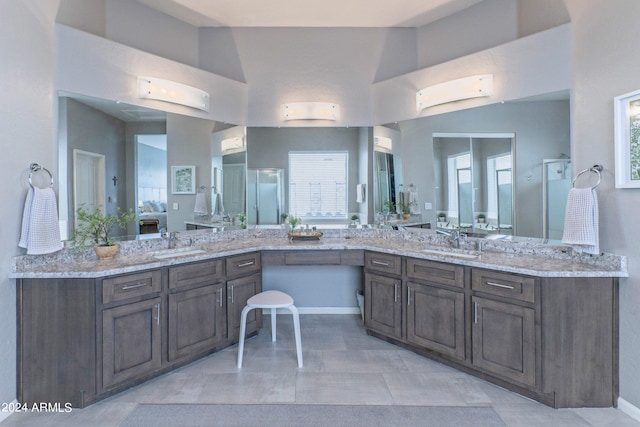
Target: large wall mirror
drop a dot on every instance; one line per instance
(474, 182)
(506, 165)
(116, 156)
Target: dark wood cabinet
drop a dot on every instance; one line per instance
(554, 339)
(383, 304)
(197, 321)
(435, 319)
(197, 310)
(504, 340)
(238, 292)
(131, 341)
(504, 325)
(244, 280)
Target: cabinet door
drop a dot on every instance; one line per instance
(504, 340)
(197, 320)
(383, 304)
(435, 319)
(131, 341)
(238, 292)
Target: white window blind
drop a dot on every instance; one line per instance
(318, 184)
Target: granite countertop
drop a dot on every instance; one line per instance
(523, 258)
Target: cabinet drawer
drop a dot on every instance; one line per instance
(243, 265)
(312, 258)
(207, 272)
(131, 286)
(390, 264)
(436, 272)
(504, 284)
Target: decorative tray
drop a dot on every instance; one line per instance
(304, 236)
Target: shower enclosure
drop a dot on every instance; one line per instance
(556, 183)
(265, 193)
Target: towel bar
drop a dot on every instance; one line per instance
(35, 168)
(595, 169)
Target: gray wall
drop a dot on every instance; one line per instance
(605, 64)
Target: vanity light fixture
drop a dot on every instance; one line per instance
(231, 144)
(310, 111)
(168, 91)
(382, 143)
(455, 90)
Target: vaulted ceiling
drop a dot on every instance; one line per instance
(318, 13)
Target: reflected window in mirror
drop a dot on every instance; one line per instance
(318, 184)
(151, 181)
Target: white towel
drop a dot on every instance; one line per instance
(40, 233)
(581, 221)
(201, 204)
(360, 193)
(218, 207)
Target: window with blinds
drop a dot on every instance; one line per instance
(318, 184)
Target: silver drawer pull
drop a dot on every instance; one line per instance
(500, 285)
(245, 264)
(384, 264)
(137, 285)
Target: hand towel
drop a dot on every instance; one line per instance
(40, 232)
(218, 206)
(201, 204)
(413, 199)
(360, 193)
(581, 221)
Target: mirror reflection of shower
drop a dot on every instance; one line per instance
(556, 183)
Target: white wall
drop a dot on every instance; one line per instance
(606, 60)
(28, 111)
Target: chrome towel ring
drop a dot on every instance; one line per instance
(35, 168)
(594, 169)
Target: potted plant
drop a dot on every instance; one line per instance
(442, 217)
(481, 218)
(242, 217)
(389, 207)
(96, 227)
(293, 222)
(354, 219)
(405, 208)
(283, 218)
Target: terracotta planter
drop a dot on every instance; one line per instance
(106, 251)
(406, 216)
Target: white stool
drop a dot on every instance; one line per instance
(272, 300)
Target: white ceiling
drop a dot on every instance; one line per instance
(308, 13)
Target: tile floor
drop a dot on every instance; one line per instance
(342, 365)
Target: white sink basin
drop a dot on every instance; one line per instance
(172, 253)
(444, 253)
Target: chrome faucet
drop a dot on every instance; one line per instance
(172, 240)
(454, 238)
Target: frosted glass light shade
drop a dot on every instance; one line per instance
(310, 111)
(455, 90)
(176, 93)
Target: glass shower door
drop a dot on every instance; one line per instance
(556, 185)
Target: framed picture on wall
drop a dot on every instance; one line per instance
(627, 139)
(183, 179)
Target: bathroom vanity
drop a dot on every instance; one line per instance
(534, 319)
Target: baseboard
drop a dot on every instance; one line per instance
(4, 415)
(320, 310)
(629, 409)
